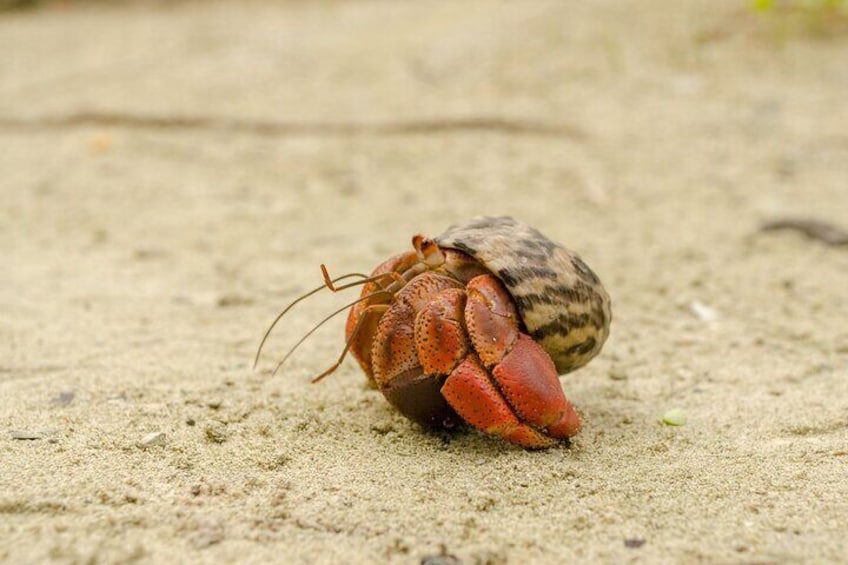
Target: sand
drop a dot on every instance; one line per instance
(171, 175)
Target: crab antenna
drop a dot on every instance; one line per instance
(373, 278)
(290, 306)
(325, 320)
(353, 335)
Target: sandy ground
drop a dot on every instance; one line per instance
(172, 175)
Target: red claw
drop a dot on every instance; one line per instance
(470, 391)
(529, 381)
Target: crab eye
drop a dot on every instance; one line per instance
(428, 251)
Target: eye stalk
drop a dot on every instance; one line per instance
(428, 251)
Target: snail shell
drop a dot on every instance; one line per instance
(562, 302)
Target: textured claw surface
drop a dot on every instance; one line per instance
(529, 382)
(512, 390)
(394, 349)
(469, 390)
(491, 319)
(440, 339)
(361, 346)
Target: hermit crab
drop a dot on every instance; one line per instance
(474, 326)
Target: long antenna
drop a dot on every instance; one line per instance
(325, 320)
(290, 306)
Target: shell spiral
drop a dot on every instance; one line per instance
(562, 303)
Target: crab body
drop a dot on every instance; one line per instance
(476, 325)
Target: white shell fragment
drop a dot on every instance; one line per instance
(153, 439)
(703, 312)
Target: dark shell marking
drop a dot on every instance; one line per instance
(561, 301)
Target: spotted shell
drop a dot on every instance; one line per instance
(562, 303)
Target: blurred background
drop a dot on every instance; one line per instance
(228, 148)
(173, 173)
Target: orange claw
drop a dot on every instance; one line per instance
(519, 398)
(440, 340)
(360, 344)
(491, 319)
(470, 392)
(530, 383)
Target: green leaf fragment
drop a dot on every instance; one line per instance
(674, 417)
(762, 5)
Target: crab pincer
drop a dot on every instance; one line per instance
(510, 387)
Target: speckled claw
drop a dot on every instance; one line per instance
(470, 392)
(512, 389)
(529, 382)
(440, 339)
(520, 400)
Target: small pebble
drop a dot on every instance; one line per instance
(442, 559)
(382, 428)
(674, 417)
(100, 143)
(215, 403)
(26, 435)
(153, 439)
(617, 375)
(634, 543)
(207, 535)
(229, 300)
(703, 312)
(65, 397)
(816, 229)
(216, 432)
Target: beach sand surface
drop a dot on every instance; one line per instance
(172, 175)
